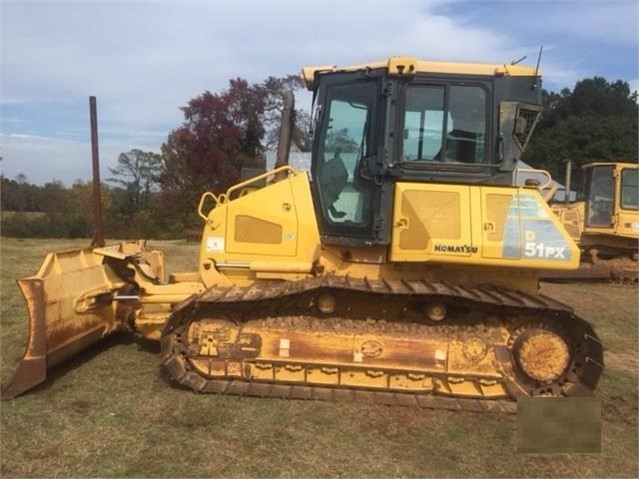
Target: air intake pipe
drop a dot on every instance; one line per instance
(286, 132)
(567, 181)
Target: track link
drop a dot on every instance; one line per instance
(195, 382)
(281, 299)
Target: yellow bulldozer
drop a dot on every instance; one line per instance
(604, 221)
(403, 268)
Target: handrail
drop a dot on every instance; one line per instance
(205, 195)
(551, 193)
(224, 197)
(257, 178)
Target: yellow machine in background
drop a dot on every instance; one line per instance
(604, 221)
(404, 267)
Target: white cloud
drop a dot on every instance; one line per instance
(160, 54)
(144, 60)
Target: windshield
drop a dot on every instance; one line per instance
(444, 124)
(629, 189)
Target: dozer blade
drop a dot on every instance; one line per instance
(70, 305)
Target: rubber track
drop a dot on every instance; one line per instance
(277, 294)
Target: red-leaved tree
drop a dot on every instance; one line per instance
(221, 134)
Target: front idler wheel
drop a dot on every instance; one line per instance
(541, 359)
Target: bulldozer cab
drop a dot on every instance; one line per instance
(407, 120)
(610, 191)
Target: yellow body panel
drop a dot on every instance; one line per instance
(572, 217)
(627, 224)
(478, 225)
(467, 224)
(268, 232)
(458, 233)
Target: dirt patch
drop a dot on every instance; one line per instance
(47, 452)
(393, 422)
(623, 361)
(620, 409)
(81, 406)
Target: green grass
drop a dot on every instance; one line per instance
(110, 412)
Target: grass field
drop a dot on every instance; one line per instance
(111, 412)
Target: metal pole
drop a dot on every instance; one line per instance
(98, 237)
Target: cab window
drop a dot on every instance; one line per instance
(444, 124)
(629, 189)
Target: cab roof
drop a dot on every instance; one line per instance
(409, 66)
(615, 164)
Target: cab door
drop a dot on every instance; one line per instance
(600, 198)
(345, 144)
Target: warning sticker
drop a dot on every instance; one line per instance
(215, 244)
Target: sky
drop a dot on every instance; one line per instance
(144, 60)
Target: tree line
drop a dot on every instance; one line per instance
(595, 121)
(154, 195)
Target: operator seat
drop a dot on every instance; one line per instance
(333, 178)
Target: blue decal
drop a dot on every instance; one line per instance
(541, 239)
